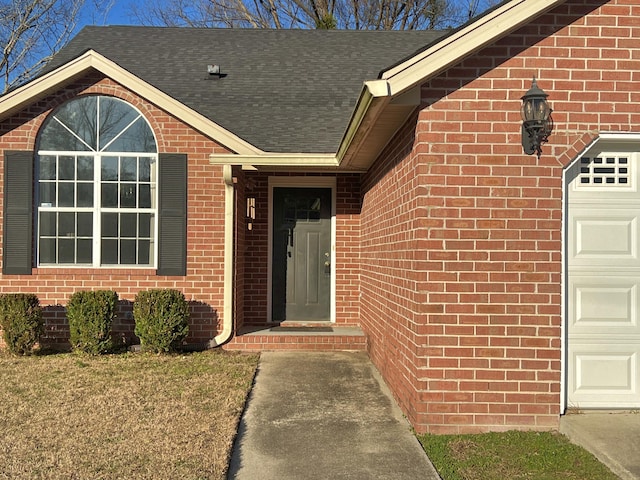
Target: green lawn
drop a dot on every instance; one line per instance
(133, 416)
(512, 456)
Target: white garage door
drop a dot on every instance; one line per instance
(603, 231)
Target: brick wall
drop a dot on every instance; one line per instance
(203, 284)
(461, 232)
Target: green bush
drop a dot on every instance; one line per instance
(162, 319)
(90, 316)
(21, 321)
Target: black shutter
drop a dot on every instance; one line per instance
(172, 227)
(18, 213)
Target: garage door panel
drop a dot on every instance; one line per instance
(602, 379)
(603, 305)
(605, 238)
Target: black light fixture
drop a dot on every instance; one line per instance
(537, 123)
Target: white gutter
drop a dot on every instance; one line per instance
(227, 309)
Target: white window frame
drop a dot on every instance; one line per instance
(97, 210)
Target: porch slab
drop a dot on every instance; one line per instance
(299, 338)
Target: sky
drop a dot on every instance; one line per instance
(117, 15)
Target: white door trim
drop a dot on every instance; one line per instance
(302, 182)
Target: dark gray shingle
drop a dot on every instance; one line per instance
(282, 90)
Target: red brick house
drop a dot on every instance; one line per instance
(369, 183)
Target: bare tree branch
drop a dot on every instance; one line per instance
(342, 14)
(31, 32)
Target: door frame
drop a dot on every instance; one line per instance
(302, 182)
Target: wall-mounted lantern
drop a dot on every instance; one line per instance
(537, 123)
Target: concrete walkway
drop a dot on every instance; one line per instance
(324, 416)
(614, 438)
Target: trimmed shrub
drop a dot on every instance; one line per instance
(21, 321)
(90, 315)
(162, 319)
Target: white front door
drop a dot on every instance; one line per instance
(603, 263)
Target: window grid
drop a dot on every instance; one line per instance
(135, 196)
(604, 171)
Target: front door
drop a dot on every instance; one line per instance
(301, 273)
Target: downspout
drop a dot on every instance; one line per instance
(227, 309)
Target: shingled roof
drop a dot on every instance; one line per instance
(288, 91)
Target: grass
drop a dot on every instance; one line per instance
(132, 416)
(512, 455)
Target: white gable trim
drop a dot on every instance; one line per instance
(461, 43)
(17, 99)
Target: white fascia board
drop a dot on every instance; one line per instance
(275, 160)
(17, 99)
(371, 91)
(620, 136)
(453, 48)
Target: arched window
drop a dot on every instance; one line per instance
(96, 174)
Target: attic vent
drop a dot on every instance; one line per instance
(604, 171)
(214, 70)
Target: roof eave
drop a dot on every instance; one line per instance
(428, 63)
(18, 99)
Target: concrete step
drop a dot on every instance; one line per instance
(294, 337)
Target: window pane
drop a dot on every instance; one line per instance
(85, 251)
(85, 194)
(66, 195)
(47, 250)
(66, 250)
(145, 225)
(145, 170)
(109, 225)
(144, 252)
(136, 138)
(85, 168)
(66, 168)
(115, 116)
(109, 252)
(47, 194)
(128, 225)
(48, 224)
(47, 167)
(109, 168)
(109, 195)
(55, 137)
(145, 196)
(67, 224)
(128, 195)
(80, 116)
(85, 224)
(128, 252)
(129, 168)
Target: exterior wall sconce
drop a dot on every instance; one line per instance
(537, 123)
